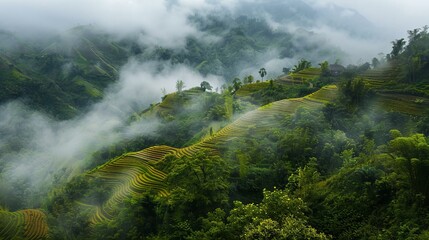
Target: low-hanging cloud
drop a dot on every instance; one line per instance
(166, 22)
(36, 147)
(161, 22)
(393, 17)
(357, 50)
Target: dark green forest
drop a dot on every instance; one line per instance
(321, 151)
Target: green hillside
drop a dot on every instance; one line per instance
(136, 173)
(109, 186)
(62, 74)
(329, 152)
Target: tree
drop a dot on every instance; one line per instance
(236, 84)
(302, 64)
(364, 67)
(416, 34)
(278, 216)
(263, 73)
(375, 62)
(412, 155)
(324, 66)
(206, 86)
(197, 183)
(397, 48)
(180, 85)
(354, 92)
(163, 91)
(249, 79)
(286, 70)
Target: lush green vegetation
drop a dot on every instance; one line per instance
(315, 154)
(328, 162)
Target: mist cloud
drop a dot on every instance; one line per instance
(165, 22)
(358, 50)
(161, 22)
(392, 17)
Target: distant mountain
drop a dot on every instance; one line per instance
(305, 15)
(64, 74)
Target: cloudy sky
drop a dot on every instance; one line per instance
(395, 16)
(124, 15)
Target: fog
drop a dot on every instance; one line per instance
(162, 22)
(38, 147)
(166, 22)
(392, 17)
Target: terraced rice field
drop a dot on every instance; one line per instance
(305, 75)
(248, 89)
(381, 80)
(290, 79)
(380, 77)
(263, 118)
(169, 104)
(404, 103)
(129, 174)
(136, 172)
(24, 224)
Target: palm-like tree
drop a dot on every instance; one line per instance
(263, 73)
(180, 85)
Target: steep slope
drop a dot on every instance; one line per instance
(12, 80)
(63, 74)
(136, 172)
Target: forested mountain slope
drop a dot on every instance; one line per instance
(66, 73)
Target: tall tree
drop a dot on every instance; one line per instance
(263, 73)
(324, 66)
(375, 62)
(180, 85)
(412, 154)
(278, 216)
(163, 91)
(197, 183)
(286, 70)
(397, 48)
(249, 79)
(206, 86)
(236, 84)
(302, 64)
